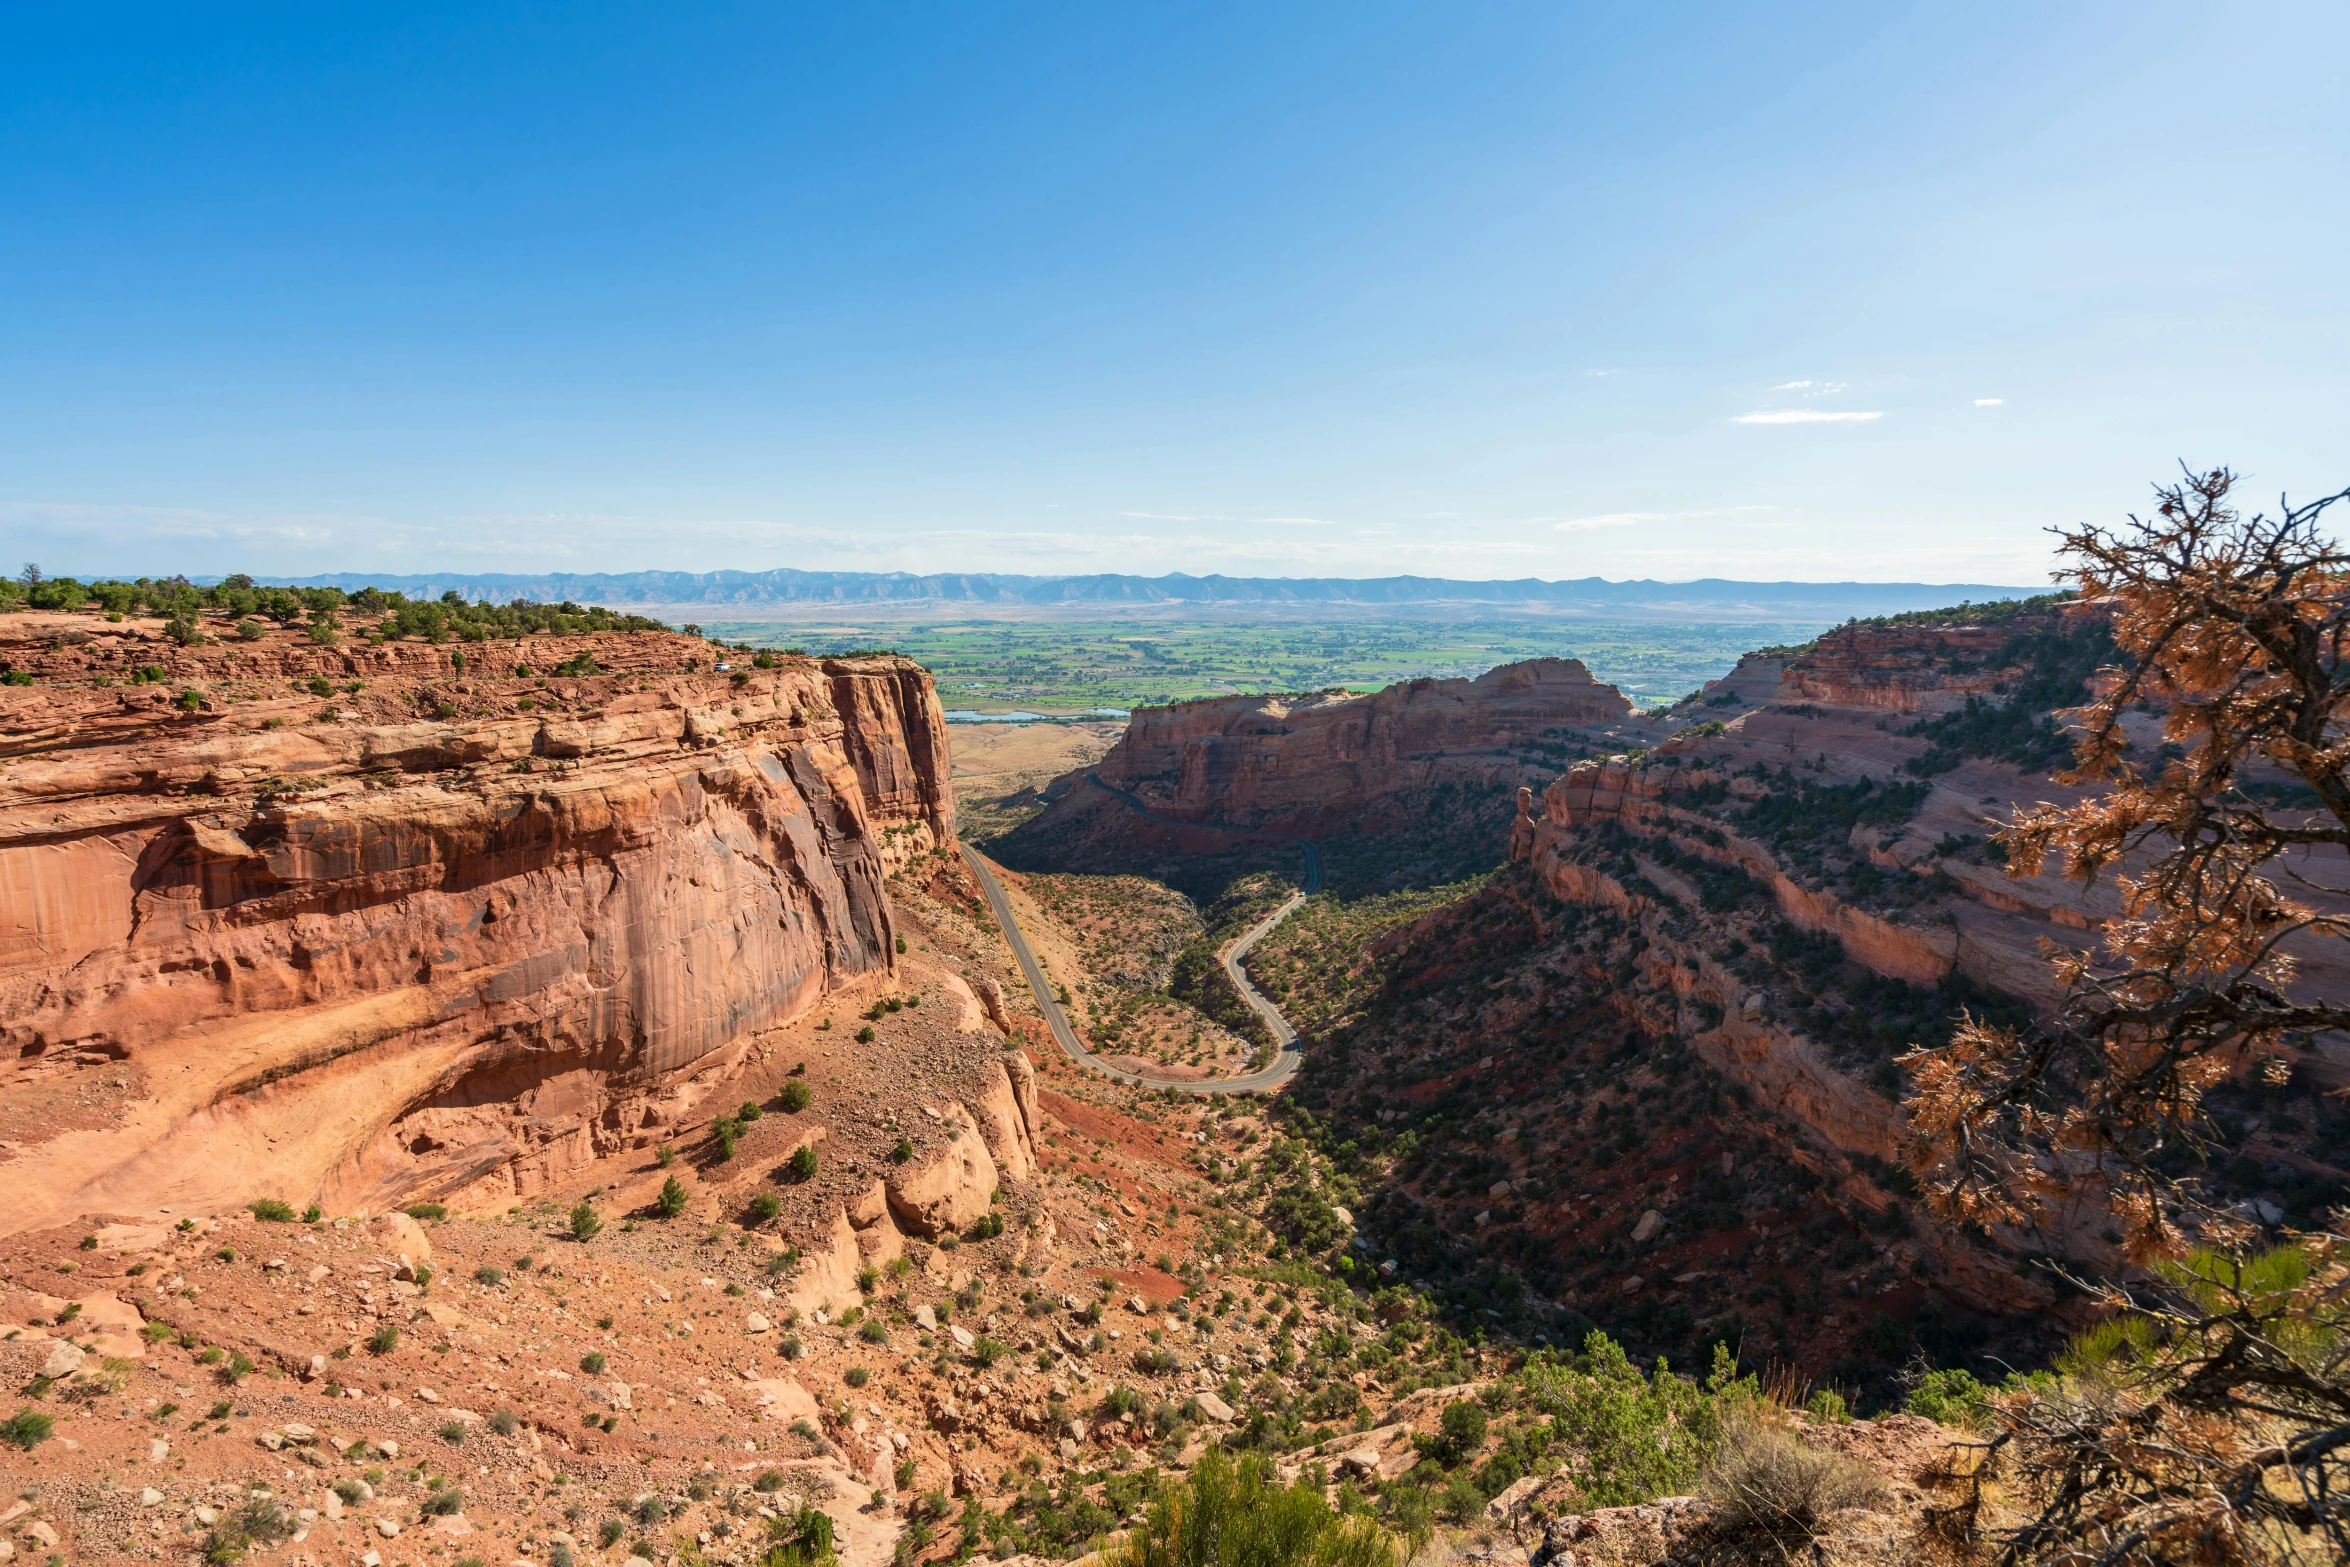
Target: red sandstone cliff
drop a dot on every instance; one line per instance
(1310, 764)
(426, 927)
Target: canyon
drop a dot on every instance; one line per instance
(597, 1047)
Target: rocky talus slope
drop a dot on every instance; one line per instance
(396, 920)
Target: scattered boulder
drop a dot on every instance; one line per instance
(402, 1237)
(948, 1191)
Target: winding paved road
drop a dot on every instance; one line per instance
(1285, 1062)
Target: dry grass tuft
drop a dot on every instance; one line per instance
(1762, 1481)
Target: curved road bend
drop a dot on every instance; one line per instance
(1287, 1058)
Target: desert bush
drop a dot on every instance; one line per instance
(671, 1202)
(794, 1096)
(26, 1429)
(1639, 1436)
(486, 1274)
(801, 1539)
(1952, 1398)
(584, 1222)
(803, 1162)
(271, 1211)
(259, 1521)
(1239, 1515)
(592, 1362)
(1762, 1482)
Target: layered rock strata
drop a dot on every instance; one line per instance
(395, 920)
(1315, 763)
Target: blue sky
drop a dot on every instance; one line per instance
(1796, 291)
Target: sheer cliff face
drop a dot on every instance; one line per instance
(451, 941)
(1312, 764)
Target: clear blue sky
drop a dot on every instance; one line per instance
(1470, 290)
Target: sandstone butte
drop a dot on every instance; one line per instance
(391, 920)
(1314, 763)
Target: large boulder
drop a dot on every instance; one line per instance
(401, 1236)
(1003, 1124)
(951, 1188)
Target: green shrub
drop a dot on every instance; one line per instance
(426, 1211)
(26, 1429)
(769, 1482)
(1952, 1398)
(1642, 1436)
(452, 1432)
(1460, 1431)
(873, 1331)
(592, 1362)
(1240, 1515)
(259, 1521)
(748, 1113)
(485, 1274)
(505, 1422)
(664, 1156)
(990, 1226)
(271, 1211)
(902, 1152)
(795, 1096)
(671, 1202)
(763, 1208)
(584, 1222)
(801, 1539)
(856, 1376)
(803, 1163)
(865, 1035)
(447, 1503)
(384, 1340)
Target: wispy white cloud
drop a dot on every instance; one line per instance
(1989, 402)
(1300, 522)
(1605, 519)
(1791, 386)
(1179, 516)
(1807, 416)
(1627, 519)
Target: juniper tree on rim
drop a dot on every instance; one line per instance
(2210, 1420)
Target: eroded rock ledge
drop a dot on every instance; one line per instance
(388, 925)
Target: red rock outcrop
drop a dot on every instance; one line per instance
(1307, 764)
(393, 920)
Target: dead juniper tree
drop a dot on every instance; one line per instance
(2210, 1421)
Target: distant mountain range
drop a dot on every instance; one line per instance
(899, 592)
